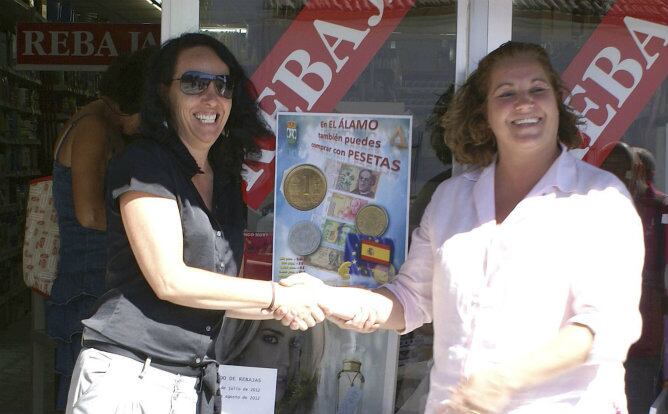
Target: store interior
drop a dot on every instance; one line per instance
(34, 105)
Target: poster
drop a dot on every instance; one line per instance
(341, 197)
(340, 214)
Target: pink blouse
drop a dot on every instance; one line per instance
(570, 252)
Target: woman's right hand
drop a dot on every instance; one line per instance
(342, 306)
(364, 321)
(297, 305)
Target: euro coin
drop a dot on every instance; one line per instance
(304, 238)
(372, 220)
(344, 270)
(305, 187)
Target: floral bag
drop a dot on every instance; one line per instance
(42, 238)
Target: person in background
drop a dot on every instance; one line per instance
(529, 263)
(435, 130)
(175, 221)
(643, 362)
(646, 174)
(624, 163)
(89, 139)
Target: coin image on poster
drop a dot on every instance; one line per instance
(304, 238)
(383, 274)
(305, 187)
(372, 220)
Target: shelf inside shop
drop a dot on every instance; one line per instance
(22, 9)
(10, 208)
(7, 137)
(73, 91)
(31, 173)
(20, 76)
(7, 105)
(14, 141)
(10, 253)
(4, 297)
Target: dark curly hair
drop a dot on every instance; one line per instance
(244, 124)
(123, 81)
(467, 131)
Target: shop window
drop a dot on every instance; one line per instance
(408, 73)
(406, 70)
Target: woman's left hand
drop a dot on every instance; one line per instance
(486, 392)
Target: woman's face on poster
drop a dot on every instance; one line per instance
(274, 346)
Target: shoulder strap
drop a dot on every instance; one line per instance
(64, 137)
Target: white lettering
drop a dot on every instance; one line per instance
(269, 118)
(590, 128)
(297, 84)
(341, 33)
(134, 41)
(86, 42)
(264, 156)
(149, 40)
(651, 30)
(375, 19)
(607, 81)
(34, 39)
(250, 176)
(56, 41)
(107, 43)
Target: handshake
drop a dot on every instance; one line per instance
(301, 301)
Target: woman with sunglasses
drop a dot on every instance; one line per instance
(175, 222)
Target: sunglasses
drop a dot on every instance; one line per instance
(195, 83)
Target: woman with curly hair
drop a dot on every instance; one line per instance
(528, 263)
(175, 222)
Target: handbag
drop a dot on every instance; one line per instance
(41, 242)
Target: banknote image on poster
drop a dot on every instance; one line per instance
(357, 180)
(341, 196)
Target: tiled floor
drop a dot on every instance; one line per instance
(16, 370)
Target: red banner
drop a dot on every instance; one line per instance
(79, 46)
(617, 71)
(313, 65)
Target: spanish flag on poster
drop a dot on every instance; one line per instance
(365, 253)
(375, 252)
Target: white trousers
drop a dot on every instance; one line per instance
(106, 383)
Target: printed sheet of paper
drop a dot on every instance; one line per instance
(247, 389)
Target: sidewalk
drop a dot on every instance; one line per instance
(16, 370)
